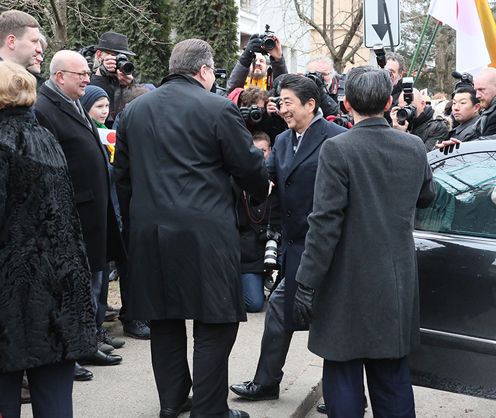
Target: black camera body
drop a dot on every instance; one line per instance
(409, 112)
(465, 79)
(277, 101)
(316, 77)
(252, 113)
(88, 52)
(123, 64)
(268, 40)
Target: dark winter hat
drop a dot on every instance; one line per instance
(114, 42)
(91, 95)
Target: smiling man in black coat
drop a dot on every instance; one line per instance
(178, 148)
(292, 166)
(359, 266)
(59, 110)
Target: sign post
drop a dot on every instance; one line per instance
(381, 23)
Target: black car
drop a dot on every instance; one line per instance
(455, 240)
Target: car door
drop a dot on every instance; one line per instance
(455, 241)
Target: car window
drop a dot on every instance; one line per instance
(465, 203)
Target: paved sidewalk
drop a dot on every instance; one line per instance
(128, 390)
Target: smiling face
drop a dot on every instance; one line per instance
(73, 75)
(100, 110)
(296, 115)
(260, 68)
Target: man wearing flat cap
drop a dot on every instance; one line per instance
(107, 75)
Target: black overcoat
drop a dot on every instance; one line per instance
(88, 168)
(177, 148)
(46, 315)
(359, 251)
(294, 175)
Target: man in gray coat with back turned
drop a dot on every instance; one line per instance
(357, 277)
(178, 148)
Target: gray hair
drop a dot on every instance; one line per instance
(323, 58)
(368, 89)
(189, 56)
(394, 56)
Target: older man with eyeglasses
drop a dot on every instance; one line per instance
(59, 110)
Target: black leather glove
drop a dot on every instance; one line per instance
(254, 45)
(302, 307)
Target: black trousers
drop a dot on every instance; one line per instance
(275, 341)
(388, 380)
(50, 387)
(211, 349)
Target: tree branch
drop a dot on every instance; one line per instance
(357, 20)
(313, 24)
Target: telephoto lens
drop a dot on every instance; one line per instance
(270, 258)
(123, 64)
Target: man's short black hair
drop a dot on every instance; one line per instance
(368, 89)
(467, 89)
(303, 88)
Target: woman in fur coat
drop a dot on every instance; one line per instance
(46, 317)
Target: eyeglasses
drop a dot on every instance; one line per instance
(82, 74)
(211, 67)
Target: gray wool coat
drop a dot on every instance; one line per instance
(359, 252)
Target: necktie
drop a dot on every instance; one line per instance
(296, 142)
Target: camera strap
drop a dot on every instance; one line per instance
(270, 80)
(252, 216)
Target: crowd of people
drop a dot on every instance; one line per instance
(211, 199)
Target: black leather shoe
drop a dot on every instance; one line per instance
(255, 392)
(231, 413)
(81, 374)
(321, 407)
(101, 359)
(136, 329)
(174, 412)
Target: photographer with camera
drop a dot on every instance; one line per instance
(321, 71)
(260, 236)
(395, 64)
(258, 112)
(114, 71)
(485, 126)
(413, 115)
(252, 69)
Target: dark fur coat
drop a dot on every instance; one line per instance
(46, 314)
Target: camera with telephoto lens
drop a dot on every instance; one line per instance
(123, 64)
(268, 40)
(407, 113)
(465, 79)
(270, 257)
(252, 113)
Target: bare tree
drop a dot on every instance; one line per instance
(338, 30)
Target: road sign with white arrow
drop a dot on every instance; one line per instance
(378, 17)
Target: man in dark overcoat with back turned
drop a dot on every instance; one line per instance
(177, 149)
(359, 264)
